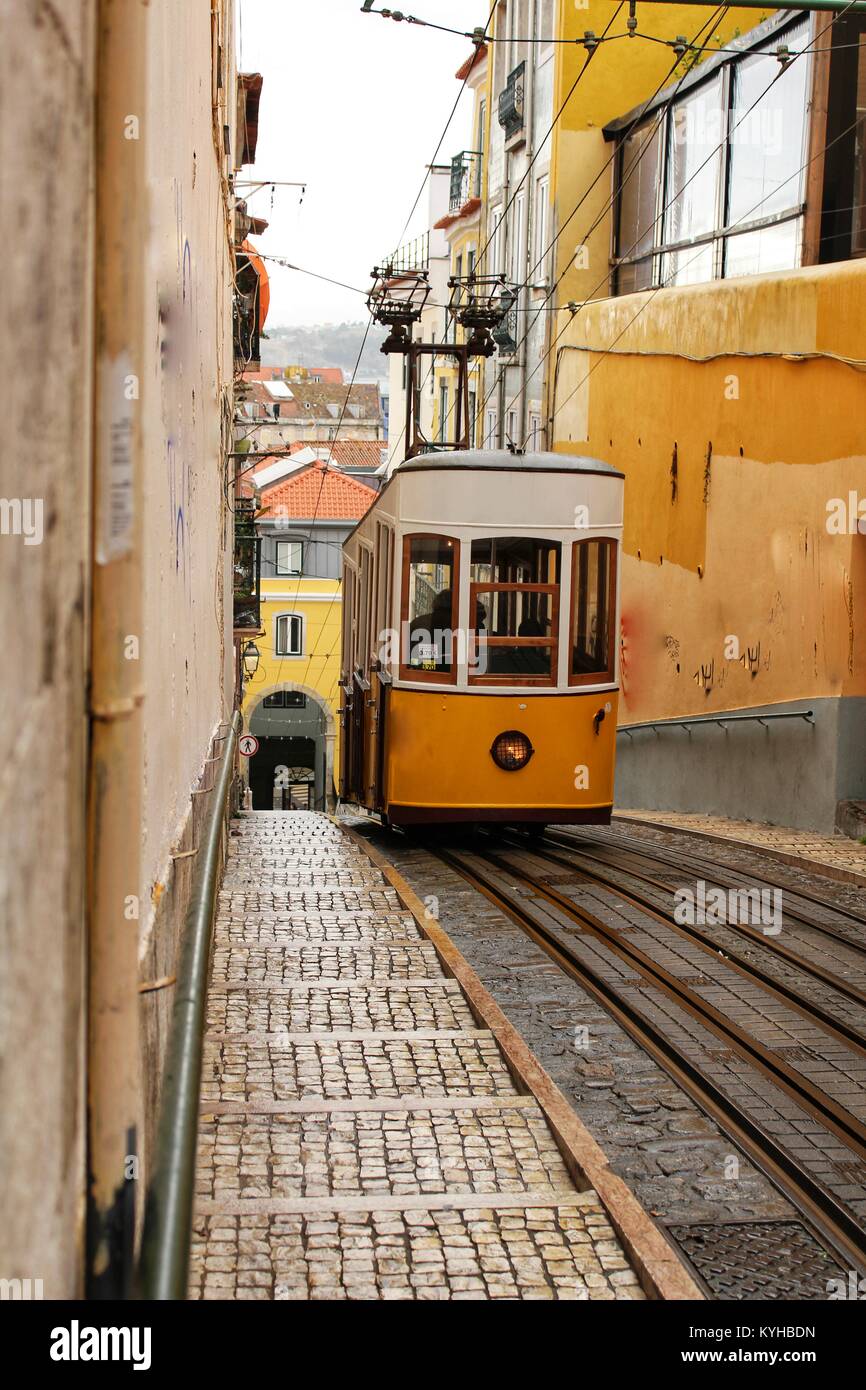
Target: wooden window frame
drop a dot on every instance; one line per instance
(287, 540)
(607, 676)
(289, 614)
(412, 673)
(487, 587)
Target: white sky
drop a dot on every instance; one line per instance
(354, 104)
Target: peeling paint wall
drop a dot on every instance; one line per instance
(186, 397)
(48, 56)
(46, 89)
(743, 564)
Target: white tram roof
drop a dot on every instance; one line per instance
(502, 460)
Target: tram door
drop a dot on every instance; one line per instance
(380, 679)
(356, 688)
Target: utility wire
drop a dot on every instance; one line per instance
(545, 306)
(642, 233)
(853, 362)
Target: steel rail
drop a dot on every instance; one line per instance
(847, 1126)
(662, 914)
(835, 1225)
(164, 1264)
(628, 844)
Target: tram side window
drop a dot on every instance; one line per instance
(429, 610)
(593, 608)
(514, 600)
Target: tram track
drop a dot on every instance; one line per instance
(834, 981)
(724, 875)
(549, 917)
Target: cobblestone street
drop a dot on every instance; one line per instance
(361, 1137)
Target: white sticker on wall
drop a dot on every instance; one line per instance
(115, 500)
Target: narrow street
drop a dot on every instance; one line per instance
(432, 764)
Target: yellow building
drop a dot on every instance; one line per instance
(681, 222)
(710, 243)
(292, 701)
(462, 225)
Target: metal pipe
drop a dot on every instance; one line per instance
(720, 719)
(837, 6)
(115, 795)
(164, 1265)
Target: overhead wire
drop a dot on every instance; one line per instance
(808, 48)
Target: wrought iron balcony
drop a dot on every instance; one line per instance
(247, 568)
(415, 255)
(510, 111)
(465, 179)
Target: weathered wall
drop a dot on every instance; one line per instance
(46, 91)
(186, 649)
(736, 423)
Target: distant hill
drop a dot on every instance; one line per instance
(327, 345)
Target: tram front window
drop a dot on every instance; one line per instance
(592, 611)
(514, 595)
(429, 605)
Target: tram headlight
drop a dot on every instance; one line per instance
(511, 750)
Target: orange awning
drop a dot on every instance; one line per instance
(264, 284)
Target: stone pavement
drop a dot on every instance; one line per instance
(361, 1136)
(843, 858)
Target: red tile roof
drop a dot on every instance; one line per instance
(474, 57)
(345, 453)
(317, 492)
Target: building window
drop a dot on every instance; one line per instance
(534, 433)
(285, 699)
(289, 635)
(443, 410)
(840, 222)
(713, 183)
(473, 411)
(290, 557)
(538, 271)
(490, 432)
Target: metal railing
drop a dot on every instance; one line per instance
(510, 107)
(164, 1267)
(414, 255)
(720, 719)
(465, 179)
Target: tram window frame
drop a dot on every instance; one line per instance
(349, 586)
(414, 673)
(382, 604)
(365, 596)
(606, 676)
(554, 588)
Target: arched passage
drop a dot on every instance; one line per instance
(296, 732)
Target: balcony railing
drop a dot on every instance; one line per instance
(415, 255)
(511, 102)
(247, 568)
(465, 179)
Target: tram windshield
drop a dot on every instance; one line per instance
(429, 604)
(514, 605)
(592, 611)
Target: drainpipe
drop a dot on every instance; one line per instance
(528, 205)
(115, 793)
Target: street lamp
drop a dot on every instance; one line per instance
(250, 659)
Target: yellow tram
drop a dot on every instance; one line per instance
(480, 661)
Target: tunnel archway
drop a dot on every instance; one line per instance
(296, 732)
